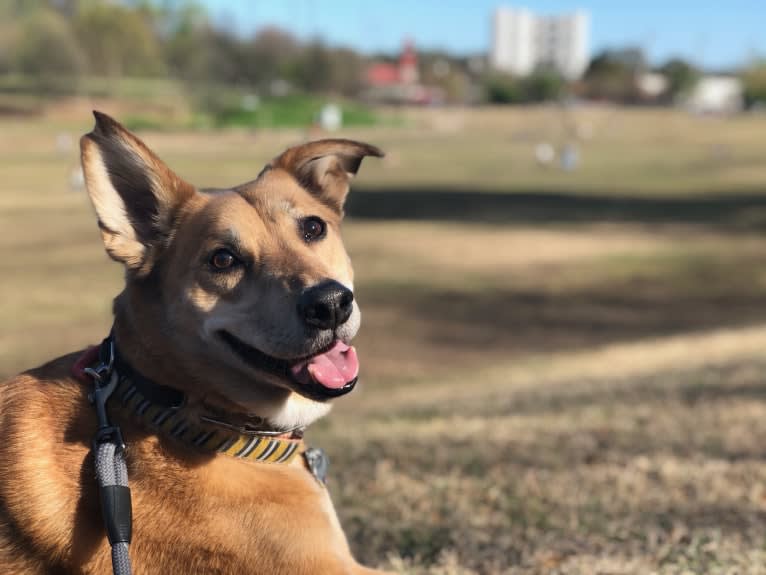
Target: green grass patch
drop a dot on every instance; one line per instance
(289, 112)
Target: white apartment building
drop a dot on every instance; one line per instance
(522, 41)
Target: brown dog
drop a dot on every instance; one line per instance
(231, 335)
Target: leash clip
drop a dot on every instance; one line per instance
(105, 381)
(104, 368)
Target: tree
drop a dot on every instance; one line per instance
(47, 47)
(269, 56)
(543, 85)
(10, 36)
(119, 40)
(503, 89)
(312, 70)
(612, 75)
(754, 80)
(195, 51)
(451, 74)
(346, 71)
(682, 77)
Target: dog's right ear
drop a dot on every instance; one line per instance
(134, 193)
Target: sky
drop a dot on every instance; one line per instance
(713, 34)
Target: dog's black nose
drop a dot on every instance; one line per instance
(326, 305)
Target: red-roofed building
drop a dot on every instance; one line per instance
(382, 74)
(399, 83)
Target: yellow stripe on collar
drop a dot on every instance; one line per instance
(207, 437)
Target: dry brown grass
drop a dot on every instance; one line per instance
(579, 470)
(558, 395)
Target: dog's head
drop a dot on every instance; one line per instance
(248, 290)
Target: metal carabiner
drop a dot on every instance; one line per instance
(102, 370)
(105, 381)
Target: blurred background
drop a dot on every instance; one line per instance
(561, 261)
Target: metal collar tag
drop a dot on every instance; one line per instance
(318, 463)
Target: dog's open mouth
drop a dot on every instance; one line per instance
(332, 372)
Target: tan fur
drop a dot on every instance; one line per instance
(193, 513)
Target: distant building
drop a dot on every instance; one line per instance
(652, 85)
(523, 41)
(404, 72)
(716, 95)
(399, 83)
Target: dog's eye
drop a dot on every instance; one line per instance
(222, 259)
(313, 228)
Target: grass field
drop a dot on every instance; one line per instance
(562, 372)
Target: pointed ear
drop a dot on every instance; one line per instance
(134, 193)
(325, 167)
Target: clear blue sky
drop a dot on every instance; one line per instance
(714, 34)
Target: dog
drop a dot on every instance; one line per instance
(231, 336)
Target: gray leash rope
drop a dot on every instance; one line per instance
(111, 470)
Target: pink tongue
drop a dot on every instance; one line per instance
(333, 369)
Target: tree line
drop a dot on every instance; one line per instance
(70, 39)
(78, 38)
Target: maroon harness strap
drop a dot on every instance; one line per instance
(88, 358)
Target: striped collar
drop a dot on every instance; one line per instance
(163, 410)
(187, 427)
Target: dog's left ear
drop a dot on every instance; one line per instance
(325, 167)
